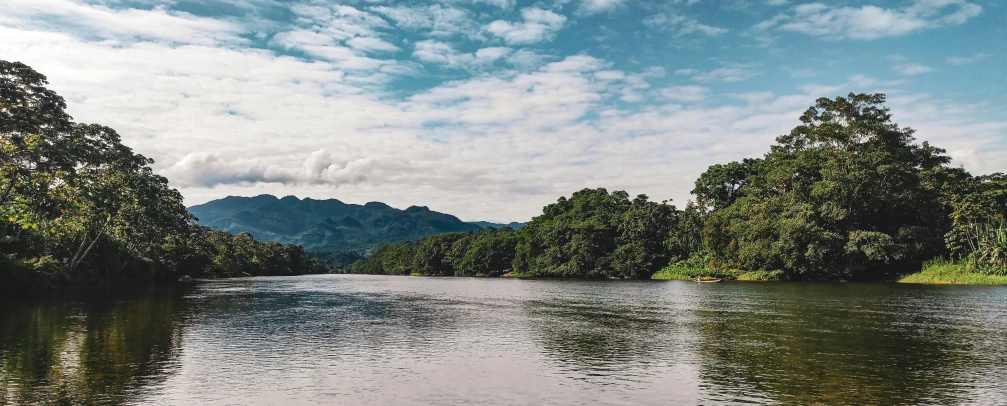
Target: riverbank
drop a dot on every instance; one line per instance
(937, 272)
(943, 272)
(685, 272)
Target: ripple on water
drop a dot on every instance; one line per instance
(434, 341)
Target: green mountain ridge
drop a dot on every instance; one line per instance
(329, 225)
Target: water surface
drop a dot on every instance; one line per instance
(366, 340)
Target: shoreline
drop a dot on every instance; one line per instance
(951, 273)
(933, 273)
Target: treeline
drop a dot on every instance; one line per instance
(846, 195)
(79, 207)
(486, 252)
(593, 234)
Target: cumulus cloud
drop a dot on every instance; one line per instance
(344, 36)
(680, 25)
(312, 113)
(442, 53)
(204, 169)
(537, 25)
(434, 20)
(871, 22)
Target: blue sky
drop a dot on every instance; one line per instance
(491, 109)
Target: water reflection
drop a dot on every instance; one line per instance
(603, 339)
(87, 349)
(433, 341)
(847, 344)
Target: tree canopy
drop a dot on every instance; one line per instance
(77, 206)
(847, 194)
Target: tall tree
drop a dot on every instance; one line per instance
(845, 194)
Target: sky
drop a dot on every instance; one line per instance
(491, 109)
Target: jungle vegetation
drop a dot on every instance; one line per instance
(846, 195)
(78, 207)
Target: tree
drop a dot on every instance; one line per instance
(491, 256)
(434, 257)
(597, 234)
(846, 194)
(74, 198)
(722, 185)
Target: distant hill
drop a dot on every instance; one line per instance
(328, 225)
(485, 224)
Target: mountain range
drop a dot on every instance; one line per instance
(329, 225)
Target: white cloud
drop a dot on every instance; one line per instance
(371, 44)
(435, 20)
(442, 53)
(871, 22)
(202, 169)
(965, 60)
(538, 25)
(504, 4)
(338, 21)
(681, 25)
(526, 59)
(599, 6)
(911, 69)
(729, 73)
(344, 36)
(221, 118)
(687, 94)
(127, 25)
(492, 53)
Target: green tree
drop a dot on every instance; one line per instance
(436, 256)
(597, 234)
(722, 185)
(847, 194)
(77, 206)
(490, 256)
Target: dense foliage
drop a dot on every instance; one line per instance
(486, 252)
(597, 234)
(77, 206)
(593, 234)
(847, 194)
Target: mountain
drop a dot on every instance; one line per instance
(328, 225)
(485, 224)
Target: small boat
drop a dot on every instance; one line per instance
(718, 280)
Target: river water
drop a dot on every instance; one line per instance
(376, 340)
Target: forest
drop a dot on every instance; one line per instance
(77, 207)
(847, 195)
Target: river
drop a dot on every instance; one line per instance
(372, 340)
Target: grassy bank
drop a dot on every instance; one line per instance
(950, 272)
(684, 271)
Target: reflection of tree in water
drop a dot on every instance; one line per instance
(338, 322)
(89, 350)
(830, 344)
(598, 339)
